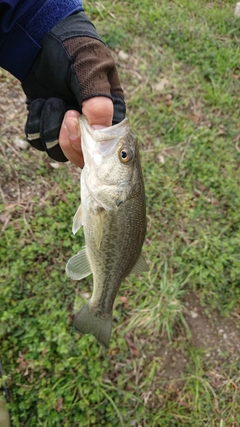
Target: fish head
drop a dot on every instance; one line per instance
(112, 170)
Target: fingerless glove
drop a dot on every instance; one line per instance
(73, 66)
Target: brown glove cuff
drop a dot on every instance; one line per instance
(93, 67)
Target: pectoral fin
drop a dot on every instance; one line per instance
(77, 220)
(78, 266)
(140, 266)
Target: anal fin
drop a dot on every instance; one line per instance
(78, 266)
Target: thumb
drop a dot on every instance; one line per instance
(98, 111)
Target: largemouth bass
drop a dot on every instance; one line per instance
(113, 216)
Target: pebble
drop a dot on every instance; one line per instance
(54, 165)
(85, 295)
(194, 314)
(160, 86)
(21, 143)
(123, 56)
(237, 10)
(161, 159)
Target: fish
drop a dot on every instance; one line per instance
(4, 399)
(4, 414)
(113, 216)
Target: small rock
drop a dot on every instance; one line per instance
(123, 56)
(237, 10)
(54, 165)
(161, 159)
(21, 143)
(194, 314)
(85, 295)
(159, 87)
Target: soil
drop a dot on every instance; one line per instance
(214, 337)
(214, 334)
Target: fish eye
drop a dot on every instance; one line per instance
(125, 155)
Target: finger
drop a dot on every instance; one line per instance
(32, 128)
(98, 111)
(71, 121)
(69, 138)
(51, 119)
(42, 128)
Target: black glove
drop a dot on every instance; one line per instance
(73, 65)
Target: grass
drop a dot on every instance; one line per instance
(174, 353)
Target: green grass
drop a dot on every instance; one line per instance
(182, 85)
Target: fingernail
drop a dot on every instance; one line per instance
(73, 129)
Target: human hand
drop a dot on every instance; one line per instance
(99, 113)
(73, 73)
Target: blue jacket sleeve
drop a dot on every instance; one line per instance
(23, 25)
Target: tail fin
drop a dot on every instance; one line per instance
(86, 323)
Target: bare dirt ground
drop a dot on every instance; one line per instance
(212, 333)
(215, 338)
